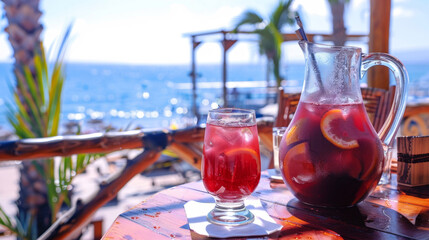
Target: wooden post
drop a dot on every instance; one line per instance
(378, 76)
(226, 44)
(224, 73)
(194, 79)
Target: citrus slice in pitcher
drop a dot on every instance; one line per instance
(297, 164)
(336, 129)
(296, 132)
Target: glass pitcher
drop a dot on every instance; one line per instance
(331, 155)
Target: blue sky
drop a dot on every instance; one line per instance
(153, 32)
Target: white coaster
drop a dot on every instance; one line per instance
(262, 225)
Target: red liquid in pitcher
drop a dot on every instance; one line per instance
(232, 166)
(331, 155)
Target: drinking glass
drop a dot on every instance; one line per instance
(390, 155)
(278, 133)
(231, 166)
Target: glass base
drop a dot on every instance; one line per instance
(230, 214)
(385, 178)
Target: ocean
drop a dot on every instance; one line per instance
(160, 96)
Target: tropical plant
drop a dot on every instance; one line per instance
(24, 31)
(269, 33)
(36, 113)
(338, 28)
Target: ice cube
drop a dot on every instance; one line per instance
(247, 134)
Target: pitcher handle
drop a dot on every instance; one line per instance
(392, 123)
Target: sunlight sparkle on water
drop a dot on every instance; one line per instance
(76, 116)
(113, 112)
(205, 102)
(168, 113)
(140, 114)
(179, 110)
(174, 101)
(146, 95)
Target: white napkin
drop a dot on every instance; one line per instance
(262, 225)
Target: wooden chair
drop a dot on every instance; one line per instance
(377, 103)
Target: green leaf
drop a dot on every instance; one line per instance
(21, 109)
(56, 114)
(35, 96)
(35, 113)
(25, 128)
(40, 78)
(44, 69)
(63, 45)
(80, 160)
(55, 100)
(6, 222)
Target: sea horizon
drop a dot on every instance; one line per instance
(128, 96)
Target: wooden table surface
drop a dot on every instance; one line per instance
(391, 212)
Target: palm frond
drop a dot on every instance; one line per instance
(55, 100)
(32, 86)
(44, 70)
(6, 222)
(282, 14)
(269, 33)
(248, 18)
(277, 38)
(63, 45)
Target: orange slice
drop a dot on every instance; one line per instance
(297, 165)
(335, 132)
(294, 134)
(242, 151)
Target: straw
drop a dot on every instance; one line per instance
(301, 28)
(303, 37)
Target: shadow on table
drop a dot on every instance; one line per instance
(366, 220)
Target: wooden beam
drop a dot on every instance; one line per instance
(378, 77)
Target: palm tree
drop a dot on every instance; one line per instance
(24, 31)
(338, 28)
(269, 33)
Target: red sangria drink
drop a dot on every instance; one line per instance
(231, 166)
(330, 155)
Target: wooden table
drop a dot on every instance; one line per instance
(391, 212)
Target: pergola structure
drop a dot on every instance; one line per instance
(378, 41)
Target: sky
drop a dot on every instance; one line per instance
(156, 32)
